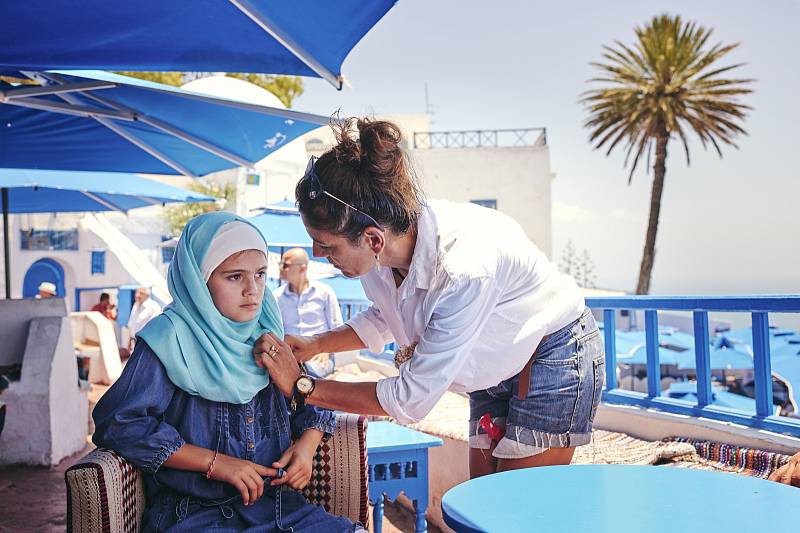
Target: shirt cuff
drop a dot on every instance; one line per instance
(368, 333)
(163, 454)
(313, 418)
(388, 400)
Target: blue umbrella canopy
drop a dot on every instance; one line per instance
(49, 191)
(42, 191)
(282, 226)
(300, 37)
(92, 120)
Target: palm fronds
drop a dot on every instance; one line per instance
(668, 83)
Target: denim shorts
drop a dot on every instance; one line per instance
(566, 382)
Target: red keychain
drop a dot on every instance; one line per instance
(494, 431)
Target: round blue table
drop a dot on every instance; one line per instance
(619, 499)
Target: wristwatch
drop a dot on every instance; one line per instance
(303, 387)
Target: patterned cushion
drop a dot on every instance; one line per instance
(105, 493)
(339, 476)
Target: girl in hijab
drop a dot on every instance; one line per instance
(215, 438)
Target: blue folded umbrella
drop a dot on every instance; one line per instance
(300, 37)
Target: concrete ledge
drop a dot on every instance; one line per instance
(652, 424)
(46, 410)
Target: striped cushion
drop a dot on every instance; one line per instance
(105, 493)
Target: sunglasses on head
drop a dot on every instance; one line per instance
(316, 190)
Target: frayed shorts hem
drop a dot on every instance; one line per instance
(520, 442)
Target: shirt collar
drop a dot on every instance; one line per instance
(425, 260)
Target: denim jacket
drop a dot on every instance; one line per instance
(145, 418)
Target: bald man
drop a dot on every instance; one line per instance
(307, 307)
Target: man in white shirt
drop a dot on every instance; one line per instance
(307, 307)
(144, 310)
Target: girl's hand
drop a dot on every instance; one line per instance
(246, 476)
(303, 348)
(297, 460)
(274, 354)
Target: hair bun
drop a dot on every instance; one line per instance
(381, 149)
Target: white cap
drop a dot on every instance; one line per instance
(235, 236)
(47, 287)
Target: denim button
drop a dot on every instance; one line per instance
(251, 445)
(249, 419)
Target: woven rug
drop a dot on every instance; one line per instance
(728, 458)
(618, 448)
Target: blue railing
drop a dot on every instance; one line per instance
(758, 307)
(351, 308)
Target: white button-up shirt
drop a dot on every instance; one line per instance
(314, 311)
(478, 298)
(141, 314)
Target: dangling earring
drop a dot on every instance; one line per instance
(377, 262)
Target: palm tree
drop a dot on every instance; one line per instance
(665, 86)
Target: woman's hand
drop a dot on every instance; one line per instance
(274, 354)
(245, 476)
(788, 473)
(303, 348)
(297, 460)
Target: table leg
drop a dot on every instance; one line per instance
(421, 524)
(377, 514)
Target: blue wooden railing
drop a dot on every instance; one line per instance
(758, 306)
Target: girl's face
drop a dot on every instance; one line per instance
(237, 285)
(353, 261)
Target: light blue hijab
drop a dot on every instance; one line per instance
(205, 353)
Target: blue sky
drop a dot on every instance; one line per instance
(727, 225)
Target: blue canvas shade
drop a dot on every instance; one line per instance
(101, 121)
(42, 191)
(784, 347)
(347, 289)
(687, 391)
(50, 191)
(299, 37)
(282, 227)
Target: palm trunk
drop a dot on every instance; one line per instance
(649, 254)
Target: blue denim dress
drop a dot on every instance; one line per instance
(145, 418)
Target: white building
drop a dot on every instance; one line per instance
(505, 169)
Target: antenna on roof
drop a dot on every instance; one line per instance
(430, 109)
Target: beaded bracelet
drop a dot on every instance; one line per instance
(211, 465)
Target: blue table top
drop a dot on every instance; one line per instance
(389, 437)
(621, 498)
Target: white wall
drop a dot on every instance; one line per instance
(519, 178)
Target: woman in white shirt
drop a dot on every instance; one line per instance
(472, 303)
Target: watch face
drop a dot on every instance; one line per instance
(305, 385)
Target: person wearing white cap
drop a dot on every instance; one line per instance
(46, 290)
